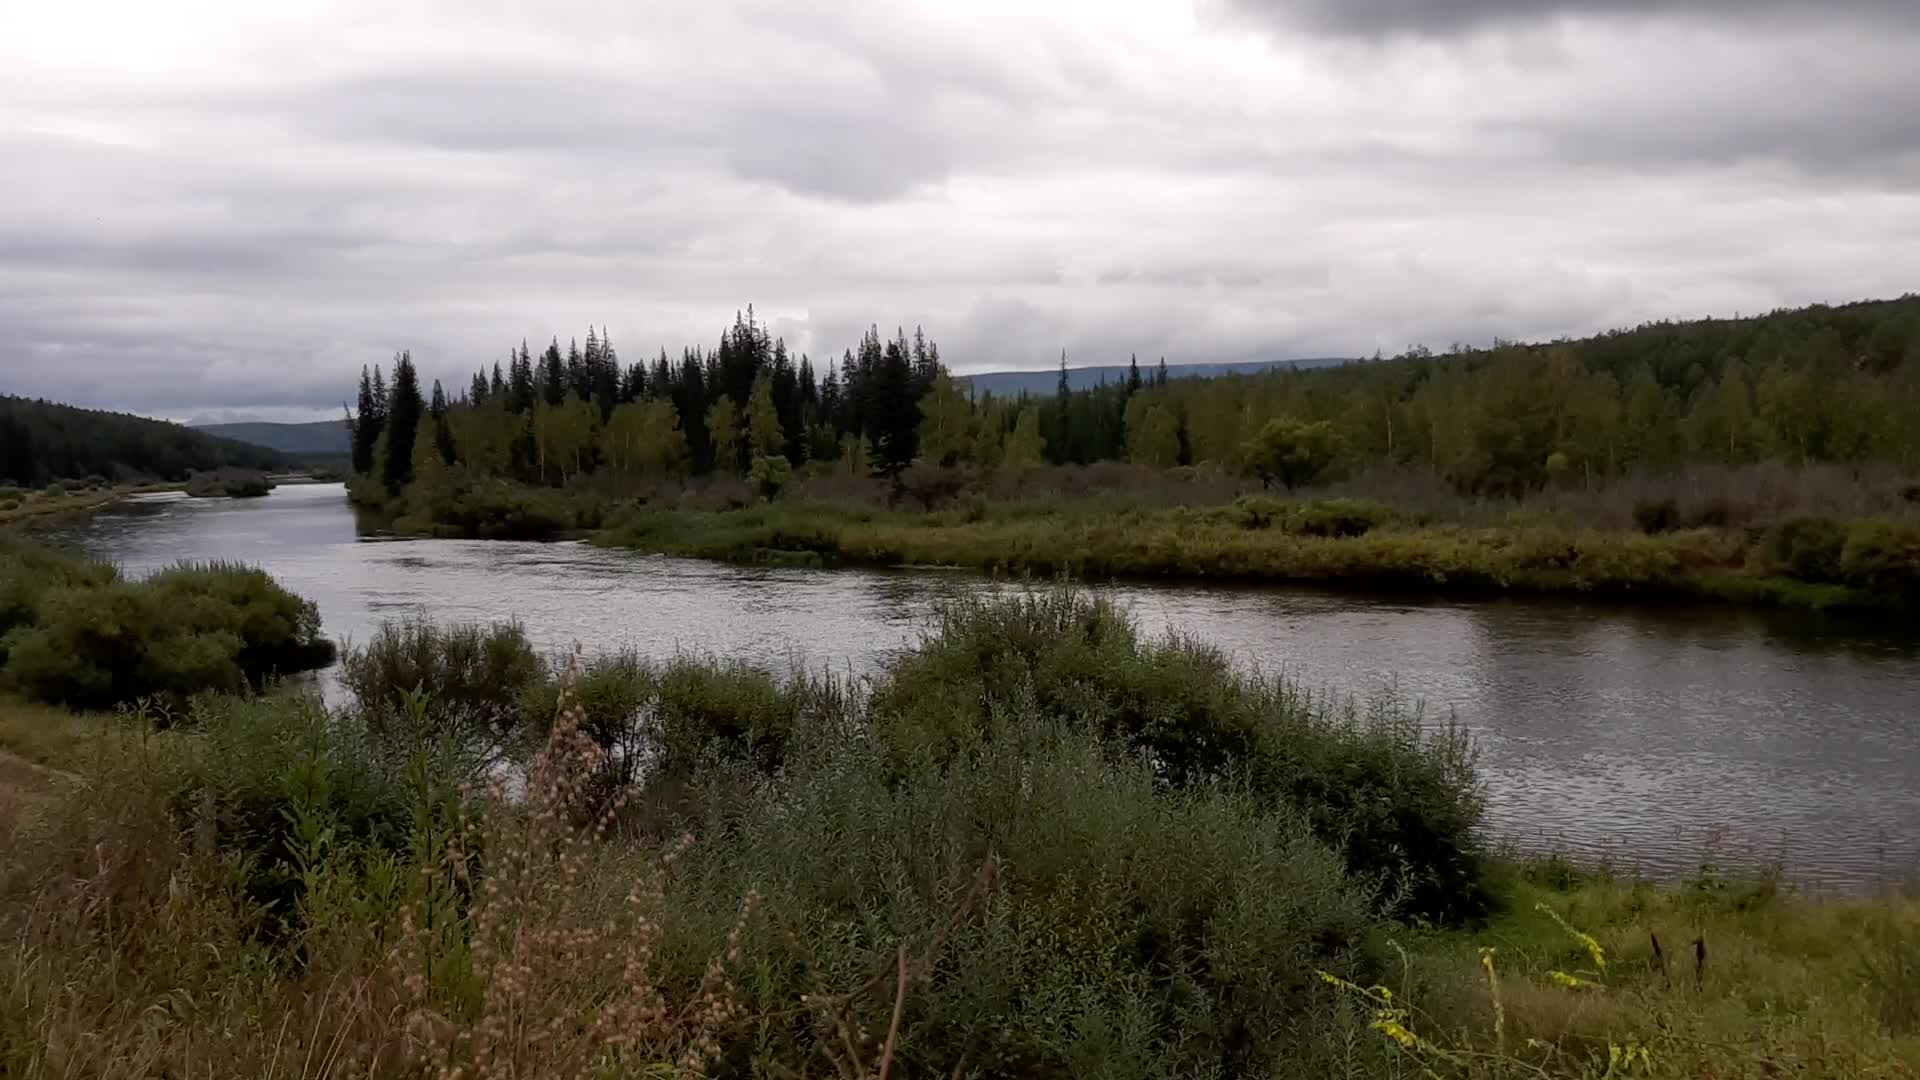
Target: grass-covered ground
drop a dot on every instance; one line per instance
(1035, 845)
(1817, 563)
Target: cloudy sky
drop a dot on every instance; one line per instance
(219, 209)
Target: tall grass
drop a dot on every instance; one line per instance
(1037, 845)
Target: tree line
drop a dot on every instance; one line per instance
(1818, 384)
(41, 441)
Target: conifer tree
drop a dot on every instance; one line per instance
(368, 419)
(404, 409)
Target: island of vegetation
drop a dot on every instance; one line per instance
(1764, 460)
(229, 484)
(1036, 844)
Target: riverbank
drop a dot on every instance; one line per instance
(1865, 565)
(60, 503)
(1023, 867)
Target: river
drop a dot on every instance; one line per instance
(1654, 738)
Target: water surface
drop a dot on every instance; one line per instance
(1655, 737)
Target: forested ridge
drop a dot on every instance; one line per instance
(1811, 385)
(41, 441)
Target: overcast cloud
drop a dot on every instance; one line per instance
(212, 209)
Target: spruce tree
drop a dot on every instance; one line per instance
(477, 393)
(366, 424)
(442, 428)
(1133, 375)
(403, 423)
(552, 377)
(896, 411)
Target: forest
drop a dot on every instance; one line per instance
(1837, 385)
(41, 442)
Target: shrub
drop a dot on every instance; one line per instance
(1882, 555)
(9, 504)
(1058, 912)
(94, 641)
(1808, 548)
(1338, 518)
(769, 476)
(473, 679)
(1715, 513)
(1400, 803)
(229, 484)
(1655, 516)
(9, 492)
(492, 509)
(282, 779)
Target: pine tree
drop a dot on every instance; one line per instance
(477, 392)
(497, 387)
(403, 423)
(442, 430)
(552, 378)
(1133, 374)
(368, 419)
(1160, 375)
(896, 412)
(524, 388)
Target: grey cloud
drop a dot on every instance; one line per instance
(1437, 18)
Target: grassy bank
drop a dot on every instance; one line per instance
(1035, 845)
(59, 501)
(1815, 563)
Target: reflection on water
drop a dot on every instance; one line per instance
(1638, 733)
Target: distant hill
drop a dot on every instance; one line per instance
(1046, 380)
(42, 441)
(322, 438)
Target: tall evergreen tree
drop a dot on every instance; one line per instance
(497, 387)
(524, 388)
(1133, 374)
(896, 412)
(477, 392)
(442, 429)
(404, 408)
(552, 377)
(368, 417)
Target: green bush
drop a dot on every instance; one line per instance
(1808, 548)
(1655, 516)
(9, 504)
(76, 634)
(668, 720)
(1882, 555)
(1338, 518)
(492, 509)
(280, 782)
(1069, 915)
(10, 492)
(1401, 803)
(473, 679)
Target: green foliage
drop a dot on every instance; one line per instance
(1656, 516)
(1059, 912)
(1291, 452)
(80, 636)
(460, 504)
(769, 476)
(1882, 555)
(1400, 803)
(1808, 548)
(473, 680)
(229, 484)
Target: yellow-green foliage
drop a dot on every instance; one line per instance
(1259, 539)
(1747, 981)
